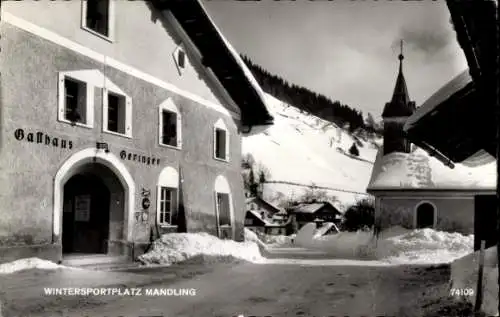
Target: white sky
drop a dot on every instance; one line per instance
(346, 50)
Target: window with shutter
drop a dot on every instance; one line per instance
(75, 107)
(167, 197)
(170, 125)
(221, 141)
(98, 17)
(75, 100)
(118, 113)
(220, 144)
(169, 128)
(168, 206)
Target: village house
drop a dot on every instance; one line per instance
(318, 212)
(415, 189)
(264, 217)
(265, 208)
(258, 224)
(118, 119)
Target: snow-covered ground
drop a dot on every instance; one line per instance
(305, 149)
(200, 248)
(276, 241)
(464, 275)
(28, 263)
(396, 245)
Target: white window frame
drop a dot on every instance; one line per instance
(169, 105)
(111, 21)
(128, 112)
(168, 178)
(173, 208)
(415, 210)
(220, 125)
(61, 108)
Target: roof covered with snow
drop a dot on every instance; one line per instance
(257, 215)
(311, 208)
(257, 200)
(267, 222)
(418, 170)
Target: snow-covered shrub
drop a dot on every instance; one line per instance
(359, 215)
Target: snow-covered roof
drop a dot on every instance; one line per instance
(250, 200)
(453, 86)
(310, 208)
(258, 215)
(418, 170)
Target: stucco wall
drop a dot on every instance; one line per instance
(141, 40)
(454, 213)
(29, 101)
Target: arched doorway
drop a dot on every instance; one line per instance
(91, 198)
(105, 171)
(425, 215)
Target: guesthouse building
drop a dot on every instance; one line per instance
(119, 119)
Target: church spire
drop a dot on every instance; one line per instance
(396, 112)
(401, 57)
(400, 104)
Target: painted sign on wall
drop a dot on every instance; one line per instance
(146, 203)
(42, 138)
(142, 216)
(139, 158)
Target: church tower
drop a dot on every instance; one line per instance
(395, 114)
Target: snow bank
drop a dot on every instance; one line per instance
(200, 248)
(26, 264)
(346, 245)
(276, 241)
(251, 236)
(266, 241)
(395, 245)
(425, 246)
(464, 274)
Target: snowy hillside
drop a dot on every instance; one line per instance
(304, 149)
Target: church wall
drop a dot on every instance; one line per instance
(454, 213)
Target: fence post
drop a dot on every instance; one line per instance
(479, 290)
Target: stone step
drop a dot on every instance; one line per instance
(111, 267)
(102, 262)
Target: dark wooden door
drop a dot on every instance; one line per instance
(85, 215)
(425, 216)
(485, 220)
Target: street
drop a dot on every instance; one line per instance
(272, 290)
